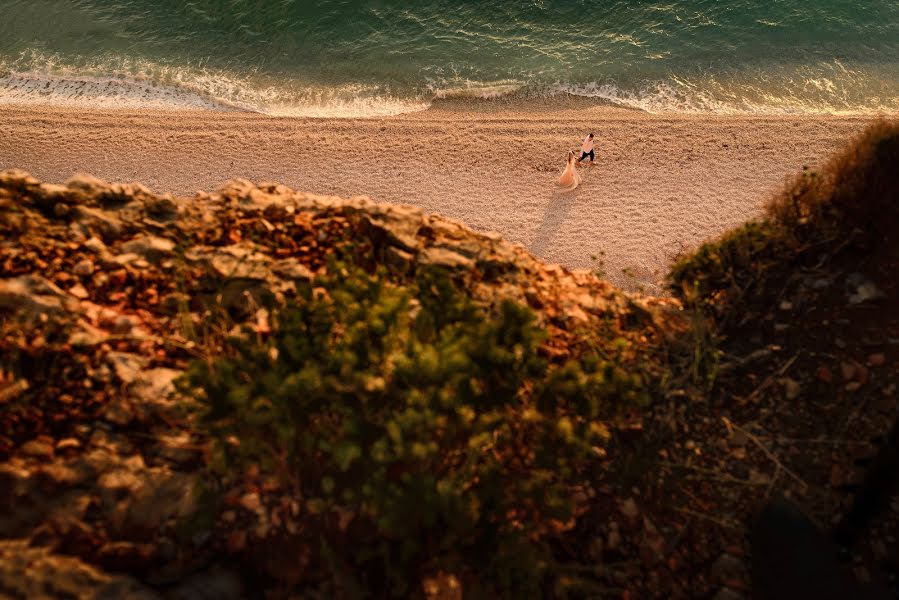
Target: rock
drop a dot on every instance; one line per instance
(154, 385)
(94, 219)
(124, 556)
(240, 262)
(33, 296)
(862, 289)
(120, 479)
(291, 268)
(877, 360)
(84, 268)
(79, 291)
(251, 502)
(18, 180)
(445, 257)
(68, 444)
(96, 246)
(163, 207)
(37, 448)
(127, 367)
(154, 249)
(119, 412)
(33, 572)
(87, 335)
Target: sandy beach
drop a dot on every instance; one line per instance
(662, 184)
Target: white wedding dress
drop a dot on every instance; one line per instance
(570, 178)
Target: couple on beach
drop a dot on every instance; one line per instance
(570, 179)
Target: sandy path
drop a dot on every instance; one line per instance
(663, 183)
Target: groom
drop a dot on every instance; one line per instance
(587, 150)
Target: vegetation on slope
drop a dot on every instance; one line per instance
(387, 404)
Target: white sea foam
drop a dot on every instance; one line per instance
(115, 83)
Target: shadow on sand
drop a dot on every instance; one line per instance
(560, 205)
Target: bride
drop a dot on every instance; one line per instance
(569, 179)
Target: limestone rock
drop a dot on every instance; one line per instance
(33, 296)
(99, 221)
(151, 247)
(28, 572)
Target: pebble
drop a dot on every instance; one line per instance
(79, 291)
(877, 360)
(85, 268)
(251, 502)
(37, 449)
(68, 443)
(96, 245)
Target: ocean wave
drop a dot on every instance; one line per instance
(101, 92)
(476, 90)
(711, 97)
(117, 92)
(131, 85)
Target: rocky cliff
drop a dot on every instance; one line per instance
(769, 371)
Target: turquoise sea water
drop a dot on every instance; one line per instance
(376, 57)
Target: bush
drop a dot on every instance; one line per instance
(855, 194)
(422, 432)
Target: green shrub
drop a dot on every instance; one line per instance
(430, 421)
(855, 192)
(727, 264)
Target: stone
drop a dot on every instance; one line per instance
(163, 207)
(251, 502)
(162, 496)
(32, 295)
(240, 262)
(863, 289)
(877, 360)
(127, 367)
(37, 448)
(96, 245)
(68, 444)
(119, 412)
(291, 268)
(154, 386)
(79, 291)
(152, 248)
(54, 576)
(84, 268)
(445, 257)
(94, 219)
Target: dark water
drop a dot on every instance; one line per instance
(358, 57)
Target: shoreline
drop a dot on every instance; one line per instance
(662, 185)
